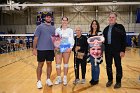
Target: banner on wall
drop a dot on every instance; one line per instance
(41, 18)
(138, 15)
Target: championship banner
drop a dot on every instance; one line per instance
(138, 15)
(41, 18)
(96, 51)
(61, 43)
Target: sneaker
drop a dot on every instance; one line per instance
(49, 82)
(83, 81)
(94, 82)
(65, 80)
(39, 84)
(76, 81)
(109, 83)
(58, 80)
(91, 81)
(117, 85)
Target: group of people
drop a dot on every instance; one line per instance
(13, 43)
(114, 44)
(17, 43)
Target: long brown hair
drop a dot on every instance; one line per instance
(98, 27)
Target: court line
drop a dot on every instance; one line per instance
(21, 59)
(133, 68)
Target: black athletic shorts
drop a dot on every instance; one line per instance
(45, 55)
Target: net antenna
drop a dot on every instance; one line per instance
(12, 6)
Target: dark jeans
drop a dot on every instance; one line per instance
(95, 70)
(83, 67)
(109, 55)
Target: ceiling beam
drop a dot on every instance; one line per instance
(75, 4)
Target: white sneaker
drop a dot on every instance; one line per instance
(65, 80)
(49, 82)
(58, 80)
(83, 81)
(39, 84)
(76, 81)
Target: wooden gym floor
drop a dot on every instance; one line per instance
(18, 75)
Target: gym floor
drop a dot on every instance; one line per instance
(18, 75)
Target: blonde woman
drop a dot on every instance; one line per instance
(66, 35)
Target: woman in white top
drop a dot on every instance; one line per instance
(67, 37)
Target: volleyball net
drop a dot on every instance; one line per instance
(15, 42)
